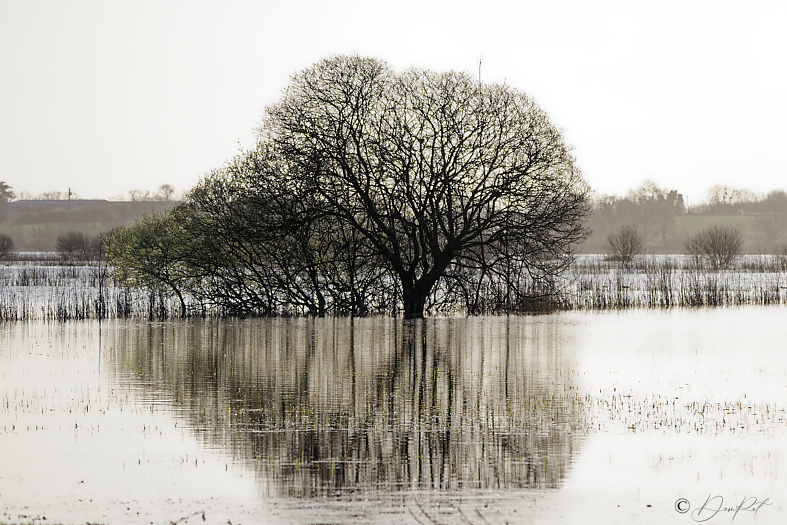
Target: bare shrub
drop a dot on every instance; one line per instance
(624, 244)
(716, 246)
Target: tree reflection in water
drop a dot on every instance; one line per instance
(324, 406)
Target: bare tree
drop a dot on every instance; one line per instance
(717, 246)
(139, 195)
(165, 192)
(53, 196)
(370, 190)
(431, 168)
(724, 198)
(624, 244)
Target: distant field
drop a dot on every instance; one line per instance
(36, 229)
(43, 237)
(40, 231)
(691, 224)
(688, 225)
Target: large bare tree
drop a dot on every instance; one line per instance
(431, 168)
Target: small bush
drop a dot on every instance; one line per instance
(717, 246)
(78, 246)
(624, 244)
(6, 245)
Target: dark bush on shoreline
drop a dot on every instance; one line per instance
(6, 245)
(77, 246)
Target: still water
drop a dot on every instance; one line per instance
(565, 418)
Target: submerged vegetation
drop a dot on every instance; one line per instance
(674, 281)
(49, 287)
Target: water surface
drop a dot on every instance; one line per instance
(567, 418)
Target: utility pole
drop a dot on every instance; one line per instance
(69, 197)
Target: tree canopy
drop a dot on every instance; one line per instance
(371, 186)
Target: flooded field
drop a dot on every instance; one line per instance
(578, 417)
(42, 287)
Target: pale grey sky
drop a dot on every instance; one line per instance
(107, 96)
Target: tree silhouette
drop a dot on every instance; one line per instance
(430, 168)
(373, 191)
(6, 195)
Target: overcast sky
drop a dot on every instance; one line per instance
(109, 96)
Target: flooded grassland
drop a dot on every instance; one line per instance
(575, 417)
(53, 289)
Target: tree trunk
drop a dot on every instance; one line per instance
(415, 291)
(414, 296)
(182, 303)
(413, 304)
(320, 304)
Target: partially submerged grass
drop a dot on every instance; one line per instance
(50, 289)
(665, 282)
(47, 288)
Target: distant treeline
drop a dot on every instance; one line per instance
(165, 192)
(664, 221)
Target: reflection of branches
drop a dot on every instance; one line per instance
(423, 511)
(320, 405)
(185, 518)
